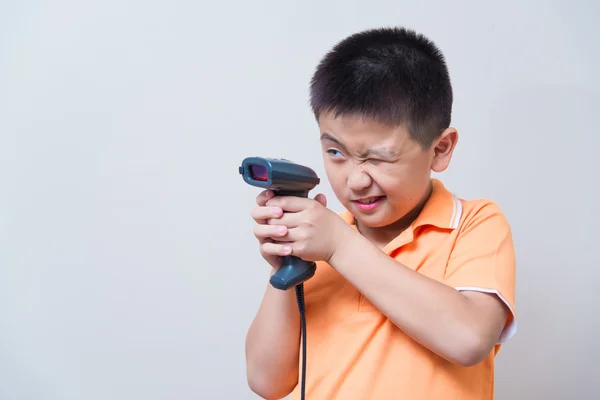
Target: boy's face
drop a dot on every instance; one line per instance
(378, 172)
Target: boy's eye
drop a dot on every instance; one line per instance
(334, 152)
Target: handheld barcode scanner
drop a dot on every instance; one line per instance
(286, 178)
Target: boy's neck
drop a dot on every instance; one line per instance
(384, 235)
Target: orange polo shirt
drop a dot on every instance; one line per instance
(355, 352)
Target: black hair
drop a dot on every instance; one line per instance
(392, 75)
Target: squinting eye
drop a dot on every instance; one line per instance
(333, 151)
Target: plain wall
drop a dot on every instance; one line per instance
(128, 268)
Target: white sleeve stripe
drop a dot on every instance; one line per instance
(511, 329)
(457, 213)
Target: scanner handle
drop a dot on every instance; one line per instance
(293, 270)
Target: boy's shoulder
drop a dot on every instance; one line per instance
(483, 220)
(478, 210)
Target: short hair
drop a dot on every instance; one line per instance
(393, 75)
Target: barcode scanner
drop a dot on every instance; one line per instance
(286, 178)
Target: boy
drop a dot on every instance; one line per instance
(414, 289)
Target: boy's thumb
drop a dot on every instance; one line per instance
(321, 199)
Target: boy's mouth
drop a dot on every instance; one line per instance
(368, 200)
(368, 203)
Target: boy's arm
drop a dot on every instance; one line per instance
(272, 345)
(455, 319)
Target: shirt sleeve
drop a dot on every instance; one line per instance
(483, 259)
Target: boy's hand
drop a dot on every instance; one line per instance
(311, 229)
(264, 232)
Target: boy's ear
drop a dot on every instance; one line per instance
(443, 148)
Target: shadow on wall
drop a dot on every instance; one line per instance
(541, 163)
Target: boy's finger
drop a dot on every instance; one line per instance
(290, 203)
(274, 249)
(293, 235)
(264, 196)
(262, 214)
(289, 219)
(269, 231)
(321, 199)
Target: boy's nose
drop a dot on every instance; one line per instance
(359, 180)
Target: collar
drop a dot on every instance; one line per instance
(443, 210)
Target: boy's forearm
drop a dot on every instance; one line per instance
(272, 345)
(433, 314)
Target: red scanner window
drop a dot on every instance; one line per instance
(258, 172)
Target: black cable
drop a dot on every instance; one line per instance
(300, 299)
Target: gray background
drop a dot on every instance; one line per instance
(128, 265)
